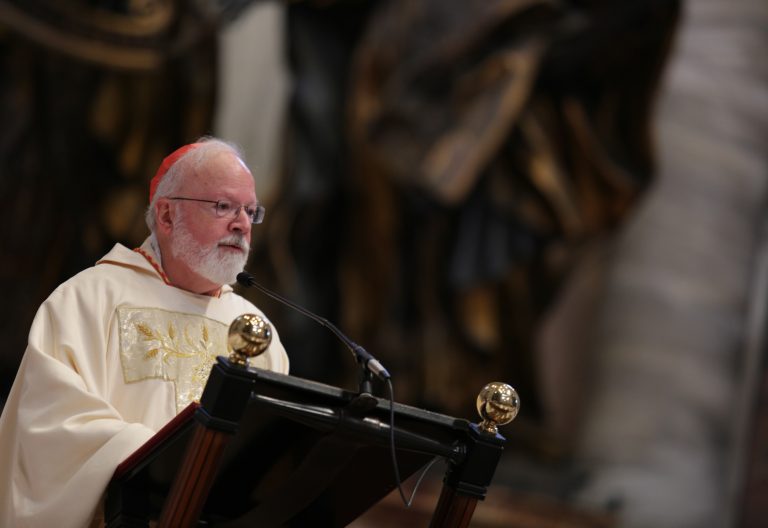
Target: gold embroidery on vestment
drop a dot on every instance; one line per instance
(171, 346)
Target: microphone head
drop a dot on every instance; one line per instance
(244, 278)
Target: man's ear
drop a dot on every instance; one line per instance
(164, 217)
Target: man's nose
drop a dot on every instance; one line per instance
(241, 222)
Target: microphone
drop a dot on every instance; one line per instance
(370, 364)
(362, 356)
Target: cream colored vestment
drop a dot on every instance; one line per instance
(113, 354)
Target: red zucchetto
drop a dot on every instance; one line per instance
(169, 160)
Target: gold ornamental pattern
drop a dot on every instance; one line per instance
(172, 346)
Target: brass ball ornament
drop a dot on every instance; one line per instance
(249, 336)
(497, 404)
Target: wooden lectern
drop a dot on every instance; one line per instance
(265, 449)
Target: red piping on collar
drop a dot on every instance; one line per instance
(155, 265)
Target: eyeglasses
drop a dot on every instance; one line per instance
(226, 209)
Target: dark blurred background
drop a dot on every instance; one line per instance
(568, 196)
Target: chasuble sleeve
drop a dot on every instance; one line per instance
(61, 438)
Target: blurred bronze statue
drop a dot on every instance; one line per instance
(448, 170)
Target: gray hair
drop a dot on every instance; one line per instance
(187, 164)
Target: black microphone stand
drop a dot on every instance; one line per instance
(365, 400)
(370, 366)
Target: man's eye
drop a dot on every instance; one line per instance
(223, 207)
(250, 211)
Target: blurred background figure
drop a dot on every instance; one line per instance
(566, 196)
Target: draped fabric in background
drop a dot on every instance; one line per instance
(676, 433)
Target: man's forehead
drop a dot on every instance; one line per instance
(223, 162)
(221, 168)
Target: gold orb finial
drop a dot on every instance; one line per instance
(249, 336)
(497, 404)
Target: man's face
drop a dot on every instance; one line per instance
(214, 247)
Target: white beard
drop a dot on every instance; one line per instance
(210, 262)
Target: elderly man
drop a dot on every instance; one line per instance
(118, 350)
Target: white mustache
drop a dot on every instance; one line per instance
(236, 240)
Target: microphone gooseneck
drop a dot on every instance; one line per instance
(361, 355)
(370, 366)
